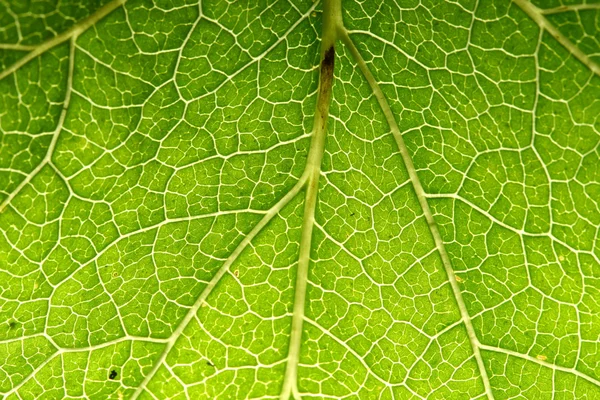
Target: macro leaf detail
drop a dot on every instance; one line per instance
(299, 200)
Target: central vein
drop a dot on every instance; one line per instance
(332, 23)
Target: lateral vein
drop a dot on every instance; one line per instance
(71, 35)
(55, 134)
(542, 363)
(74, 31)
(217, 277)
(537, 15)
(571, 7)
(421, 195)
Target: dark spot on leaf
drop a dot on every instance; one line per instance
(113, 374)
(326, 80)
(210, 364)
(12, 324)
(328, 58)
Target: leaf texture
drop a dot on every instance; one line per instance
(281, 199)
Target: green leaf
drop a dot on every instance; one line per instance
(287, 199)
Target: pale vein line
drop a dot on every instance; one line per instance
(16, 46)
(540, 362)
(259, 57)
(149, 228)
(71, 35)
(217, 277)
(30, 375)
(572, 7)
(537, 15)
(520, 232)
(424, 205)
(332, 21)
(55, 135)
(60, 351)
(349, 349)
(72, 32)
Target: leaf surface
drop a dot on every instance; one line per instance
(276, 199)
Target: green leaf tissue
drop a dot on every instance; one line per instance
(298, 199)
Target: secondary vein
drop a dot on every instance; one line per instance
(74, 31)
(420, 192)
(215, 280)
(70, 35)
(537, 15)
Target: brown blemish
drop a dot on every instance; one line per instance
(327, 66)
(326, 81)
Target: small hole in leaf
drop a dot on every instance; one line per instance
(113, 374)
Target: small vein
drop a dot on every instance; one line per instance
(345, 37)
(347, 348)
(216, 278)
(73, 32)
(60, 351)
(537, 15)
(16, 46)
(540, 362)
(55, 134)
(71, 35)
(572, 7)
